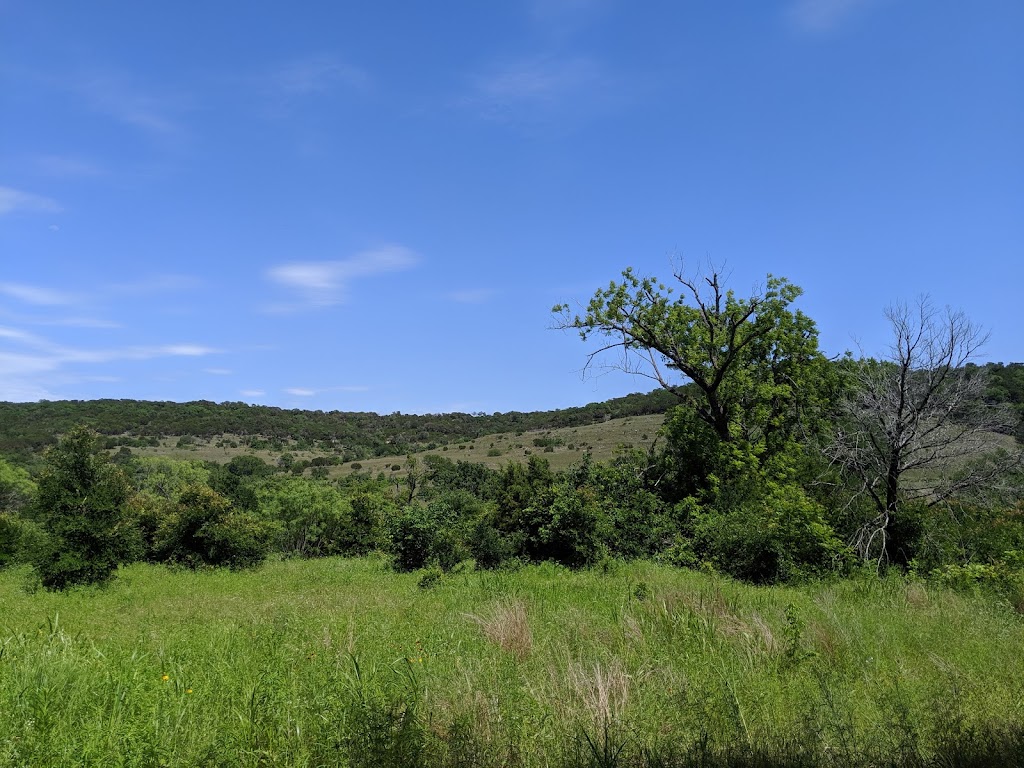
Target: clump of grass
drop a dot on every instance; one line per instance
(602, 688)
(506, 626)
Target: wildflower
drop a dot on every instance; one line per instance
(188, 690)
(165, 678)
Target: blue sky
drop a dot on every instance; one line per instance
(373, 206)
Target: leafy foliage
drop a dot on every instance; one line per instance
(751, 361)
(423, 534)
(82, 507)
(203, 529)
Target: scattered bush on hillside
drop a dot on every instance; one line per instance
(203, 529)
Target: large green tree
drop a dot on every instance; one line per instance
(748, 368)
(82, 505)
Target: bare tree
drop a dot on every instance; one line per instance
(915, 427)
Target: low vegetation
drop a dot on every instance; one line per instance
(343, 662)
(804, 561)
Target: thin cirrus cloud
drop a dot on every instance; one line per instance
(15, 201)
(536, 80)
(545, 91)
(115, 95)
(316, 74)
(62, 166)
(318, 284)
(30, 361)
(822, 16)
(31, 294)
(47, 355)
(471, 296)
(310, 392)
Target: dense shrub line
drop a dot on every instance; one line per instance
(765, 522)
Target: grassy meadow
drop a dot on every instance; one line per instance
(567, 446)
(339, 662)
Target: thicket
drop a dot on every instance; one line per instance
(775, 465)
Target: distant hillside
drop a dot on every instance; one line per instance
(29, 427)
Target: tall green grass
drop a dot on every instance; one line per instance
(343, 662)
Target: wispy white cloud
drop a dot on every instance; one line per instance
(471, 296)
(546, 91)
(820, 16)
(541, 79)
(156, 286)
(15, 200)
(63, 166)
(31, 294)
(72, 322)
(563, 17)
(316, 74)
(253, 392)
(184, 350)
(311, 392)
(327, 283)
(117, 96)
(28, 359)
(218, 371)
(87, 305)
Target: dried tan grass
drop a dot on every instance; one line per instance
(631, 629)
(917, 595)
(506, 626)
(603, 690)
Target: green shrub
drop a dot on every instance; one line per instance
(204, 529)
(311, 516)
(573, 533)
(423, 534)
(1003, 577)
(489, 546)
(82, 507)
(781, 536)
(18, 538)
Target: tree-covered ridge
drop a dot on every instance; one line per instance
(28, 427)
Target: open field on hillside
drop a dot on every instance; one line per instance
(342, 662)
(567, 446)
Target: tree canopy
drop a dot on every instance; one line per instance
(747, 364)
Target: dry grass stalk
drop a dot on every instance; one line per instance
(603, 690)
(631, 629)
(506, 626)
(917, 595)
(763, 633)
